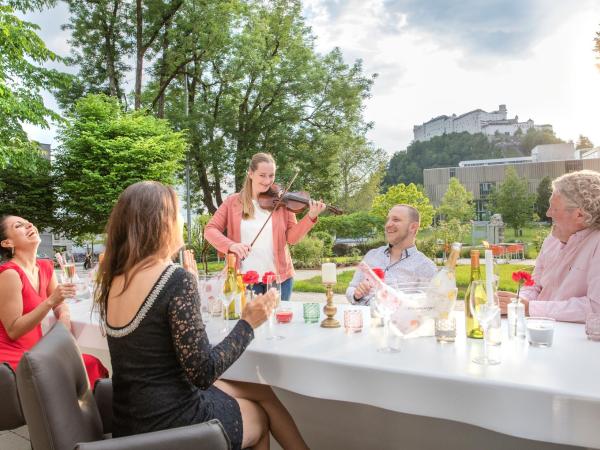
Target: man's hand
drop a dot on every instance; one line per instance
(363, 288)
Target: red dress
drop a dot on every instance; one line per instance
(12, 350)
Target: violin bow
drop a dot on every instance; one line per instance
(285, 191)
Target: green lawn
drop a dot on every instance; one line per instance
(463, 274)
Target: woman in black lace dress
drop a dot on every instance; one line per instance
(165, 372)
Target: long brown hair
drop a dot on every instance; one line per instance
(246, 192)
(139, 231)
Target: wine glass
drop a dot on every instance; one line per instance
(274, 283)
(485, 310)
(70, 276)
(226, 299)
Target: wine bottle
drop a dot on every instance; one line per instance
(240, 300)
(471, 324)
(230, 287)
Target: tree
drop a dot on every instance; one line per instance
(409, 195)
(359, 166)
(457, 203)
(542, 201)
(100, 43)
(259, 85)
(103, 151)
(363, 199)
(512, 200)
(441, 151)
(26, 187)
(23, 76)
(584, 142)
(535, 137)
(597, 47)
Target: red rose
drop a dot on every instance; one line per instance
(269, 277)
(379, 272)
(250, 277)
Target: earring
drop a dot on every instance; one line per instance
(12, 252)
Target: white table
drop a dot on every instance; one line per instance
(550, 395)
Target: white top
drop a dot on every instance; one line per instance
(261, 258)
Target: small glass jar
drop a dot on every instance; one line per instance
(517, 327)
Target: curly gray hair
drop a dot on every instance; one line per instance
(582, 190)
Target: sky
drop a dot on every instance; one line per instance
(437, 57)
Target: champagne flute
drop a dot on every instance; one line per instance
(274, 283)
(485, 310)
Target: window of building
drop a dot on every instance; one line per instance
(452, 172)
(481, 210)
(572, 166)
(485, 188)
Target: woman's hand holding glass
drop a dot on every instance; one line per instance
(258, 310)
(61, 293)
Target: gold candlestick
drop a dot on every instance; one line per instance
(330, 309)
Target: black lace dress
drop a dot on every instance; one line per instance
(164, 367)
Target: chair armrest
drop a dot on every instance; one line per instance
(208, 435)
(103, 394)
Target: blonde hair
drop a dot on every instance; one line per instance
(246, 192)
(581, 190)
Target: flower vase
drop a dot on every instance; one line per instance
(516, 319)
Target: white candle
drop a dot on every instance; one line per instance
(489, 275)
(328, 273)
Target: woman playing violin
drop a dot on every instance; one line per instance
(239, 219)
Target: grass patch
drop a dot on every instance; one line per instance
(463, 275)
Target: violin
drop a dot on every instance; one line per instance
(295, 202)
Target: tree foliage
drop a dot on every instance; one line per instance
(441, 151)
(542, 201)
(26, 187)
(512, 200)
(103, 151)
(584, 142)
(535, 137)
(409, 195)
(23, 76)
(457, 203)
(355, 225)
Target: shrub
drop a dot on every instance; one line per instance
(327, 240)
(308, 252)
(428, 246)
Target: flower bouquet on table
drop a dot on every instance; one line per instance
(516, 310)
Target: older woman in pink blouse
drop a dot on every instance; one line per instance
(567, 270)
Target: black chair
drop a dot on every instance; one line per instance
(11, 415)
(63, 414)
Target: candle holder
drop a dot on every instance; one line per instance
(330, 309)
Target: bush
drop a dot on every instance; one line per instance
(428, 246)
(355, 225)
(308, 252)
(327, 240)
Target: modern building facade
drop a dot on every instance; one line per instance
(476, 121)
(481, 179)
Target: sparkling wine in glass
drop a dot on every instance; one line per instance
(485, 310)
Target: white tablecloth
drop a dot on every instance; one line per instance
(550, 395)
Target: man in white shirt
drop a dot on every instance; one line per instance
(400, 260)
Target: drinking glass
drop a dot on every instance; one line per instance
(592, 326)
(210, 285)
(226, 299)
(485, 312)
(353, 320)
(275, 283)
(70, 276)
(311, 312)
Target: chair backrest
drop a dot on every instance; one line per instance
(57, 402)
(11, 415)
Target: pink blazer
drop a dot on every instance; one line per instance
(223, 230)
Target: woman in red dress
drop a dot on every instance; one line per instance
(28, 291)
